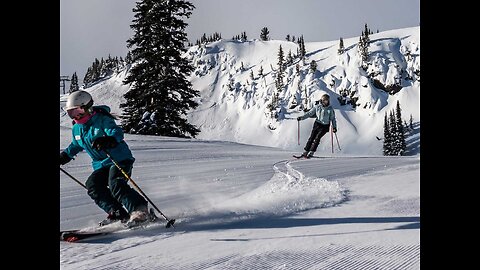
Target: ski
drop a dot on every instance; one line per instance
(81, 234)
(303, 157)
(76, 235)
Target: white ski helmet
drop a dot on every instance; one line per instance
(79, 99)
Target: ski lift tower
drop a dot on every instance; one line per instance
(62, 82)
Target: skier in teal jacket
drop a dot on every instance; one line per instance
(324, 114)
(95, 131)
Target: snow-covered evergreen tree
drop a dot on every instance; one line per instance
(393, 134)
(366, 34)
(289, 59)
(244, 36)
(386, 137)
(301, 45)
(401, 144)
(341, 48)
(394, 143)
(281, 60)
(128, 58)
(260, 72)
(264, 34)
(74, 83)
(363, 50)
(159, 86)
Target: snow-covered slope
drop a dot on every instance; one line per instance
(233, 107)
(251, 207)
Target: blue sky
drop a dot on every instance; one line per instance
(92, 29)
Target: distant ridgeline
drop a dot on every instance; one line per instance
(103, 68)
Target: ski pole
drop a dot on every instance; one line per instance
(338, 142)
(298, 132)
(331, 137)
(170, 222)
(74, 179)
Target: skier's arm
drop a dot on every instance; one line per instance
(112, 129)
(333, 119)
(310, 113)
(73, 149)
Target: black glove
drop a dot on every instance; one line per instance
(102, 143)
(334, 130)
(64, 158)
(299, 118)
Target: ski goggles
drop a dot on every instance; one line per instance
(76, 113)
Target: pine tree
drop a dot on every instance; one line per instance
(159, 87)
(341, 48)
(251, 75)
(97, 66)
(394, 147)
(363, 44)
(74, 83)
(289, 60)
(287, 38)
(281, 68)
(363, 50)
(301, 44)
(264, 34)
(87, 78)
(386, 136)
(281, 60)
(101, 69)
(244, 36)
(401, 144)
(128, 58)
(260, 72)
(293, 38)
(411, 122)
(366, 34)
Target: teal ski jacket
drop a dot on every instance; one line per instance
(324, 115)
(101, 124)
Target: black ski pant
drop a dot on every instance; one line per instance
(109, 189)
(317, 133)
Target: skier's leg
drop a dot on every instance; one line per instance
(312, 137)
(97, 189)
(121, 191)
(323, 129)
